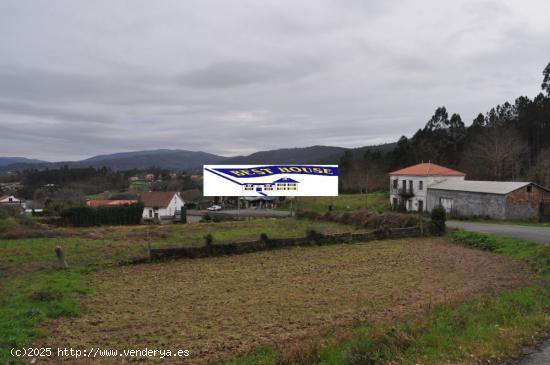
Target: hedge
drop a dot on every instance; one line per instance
(106, 215)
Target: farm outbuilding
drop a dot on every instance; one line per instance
(493, 199)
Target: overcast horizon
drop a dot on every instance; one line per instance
(79, 79)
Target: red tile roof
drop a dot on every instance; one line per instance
(106, 202)
(427, 169)
(157, 198)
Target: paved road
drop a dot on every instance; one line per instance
(530, 233)
(537, 356)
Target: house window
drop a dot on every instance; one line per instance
(394, 204)
(420, 205)
(447, 204)
(291, 186)
(150, 213)
(404, 184)
(281, 186)
(420, 185)
(529, 188)
(249, 187)
(395, 182)
(268, 187)
(410, 186)
(409, 204)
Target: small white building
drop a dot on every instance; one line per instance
(409, 186)
(11, 200)
(162, 205)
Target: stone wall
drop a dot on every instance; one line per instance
(519, 204)
(221, 249)
(524, 204)
(471, 204)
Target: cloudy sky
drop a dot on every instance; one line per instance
(79, 78)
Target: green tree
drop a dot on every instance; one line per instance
(546, 80)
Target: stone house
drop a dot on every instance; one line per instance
(409, 186)
(492, 199)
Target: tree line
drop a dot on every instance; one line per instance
(509, 142)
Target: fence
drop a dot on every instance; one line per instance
(260, 245)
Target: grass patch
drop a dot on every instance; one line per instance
(112, 245)
(25, 302)
(489, 328)
(537, 255)
(378, 201)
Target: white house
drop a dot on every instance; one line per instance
(409, 186)
(162, 205)
(11, 201)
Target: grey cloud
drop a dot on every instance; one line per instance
(78, 79)
(239, 73)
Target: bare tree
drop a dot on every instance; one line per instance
(540, 172)
(497, 153)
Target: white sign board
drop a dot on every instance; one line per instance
(270, 180)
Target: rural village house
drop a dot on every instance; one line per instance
(424, 186)
(12, 201)
(162, 205)
(409, 186)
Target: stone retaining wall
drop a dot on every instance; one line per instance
(221, 249)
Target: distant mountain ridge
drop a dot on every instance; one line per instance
(192, 161)
(5, 161)
(304, 155)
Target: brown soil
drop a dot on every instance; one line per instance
(222, 307)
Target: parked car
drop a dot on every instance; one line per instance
(214, 207)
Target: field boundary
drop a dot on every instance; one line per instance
(313, 238)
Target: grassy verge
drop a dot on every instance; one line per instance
(378, 201)
(478, 330)
(507, 221)
(25, 302)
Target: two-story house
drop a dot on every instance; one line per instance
(409, 186)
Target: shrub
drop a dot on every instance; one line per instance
(115, 215)
(314, 236)
(264, 238)
(439, 216)
(482, 242)
(208, 240)
(6, 212)
(46, 295)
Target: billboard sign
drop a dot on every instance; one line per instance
(270, 180)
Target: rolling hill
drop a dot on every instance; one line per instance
(5, 161)
(192, 161)
(305, 155)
